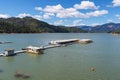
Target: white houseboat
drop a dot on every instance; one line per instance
(32, 49)
(9, 52)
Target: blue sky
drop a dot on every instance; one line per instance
(63, 12)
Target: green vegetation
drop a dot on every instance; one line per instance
(116, 32)
(31, 25)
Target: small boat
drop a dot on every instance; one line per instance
(8, 52)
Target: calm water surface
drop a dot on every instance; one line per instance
(73, 62)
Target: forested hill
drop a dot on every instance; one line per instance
(31, 25)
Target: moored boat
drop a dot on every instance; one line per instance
(32, 49)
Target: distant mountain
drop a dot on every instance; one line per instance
(105, 28)
(86, 28)
(31, 25)
(109, 27)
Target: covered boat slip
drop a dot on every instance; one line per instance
(66, 41)
(69, 41)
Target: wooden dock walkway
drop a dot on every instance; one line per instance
(50, 46)
(21, 51)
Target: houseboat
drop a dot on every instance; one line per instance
(32, 49)
(9, 52)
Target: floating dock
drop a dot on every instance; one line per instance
(21, 51)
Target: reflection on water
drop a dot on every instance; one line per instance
(9, 59)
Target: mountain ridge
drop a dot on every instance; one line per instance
(31, 25)
(104, 28)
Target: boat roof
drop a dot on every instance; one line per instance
(9, 49)
(32, 47)
(85, 40)
(65, 40)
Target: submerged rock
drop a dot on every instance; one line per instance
(21, 75)
(26, 76)
(18, 74)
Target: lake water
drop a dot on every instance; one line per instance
(73, 62)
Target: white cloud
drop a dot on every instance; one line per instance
(38, 17)
(95, 24)
(77, 22)
(72, 12)
(60, 12)
(86, 5)
(116, 3)
(38, 8)
(109, 20)
(59, 22)
(66, 13)
(48, 15)
(22, 15)
(97, 13)
(118, 16)
(53, 9)
(4, 16)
